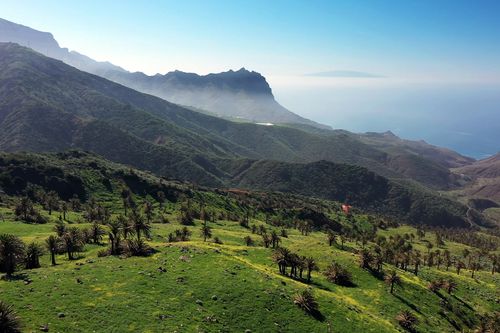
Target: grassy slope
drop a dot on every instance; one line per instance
(132, 295)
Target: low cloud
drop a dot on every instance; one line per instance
(347, 74)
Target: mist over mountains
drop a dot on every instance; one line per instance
(240, 95)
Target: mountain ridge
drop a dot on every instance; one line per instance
(252, 100)
(54, 107)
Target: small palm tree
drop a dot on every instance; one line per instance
(365, 259)
(281, 256)
(60, 228)
(392, 279)
(450, 286)
(306, 301)
(248, 241)
(33, 254)
(435, 285)
(206, 231)
(64, 209)
(459, 265)
(96, 232)
(275, 239)
(148, 210)
(311, 265)
(11, 253)
(338, 274)
(52, 244)
(407, 320)
(332, 237)
(73, 241)
(115, 231)
(9, 321)
(139, 224)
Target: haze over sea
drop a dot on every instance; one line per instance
(464, 116)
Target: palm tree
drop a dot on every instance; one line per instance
(126, 225)
(64, 209)
(60, 228)
(489, 323)
(206, 231)
(459, 265)
(447, 259)
(365, 259)
(429, 247)
(24, 208)
(311, 265)
(342, 241)
(281, 256)
(407, 320)
(275, 239)
(72, 240)
(51, 201)
(392, 279)
(96, 233)
(115, 230)
(416, 261)
(52, 244)
(11, 253)
(248, 241)
(266, 239)
(9, 321)
(148, 210)
(435, 285)
(495, 263)
(125, 194)
(474, 266)
(332, 237)
(140, 226)
(161, 198)
(450, 285)
(33, 254)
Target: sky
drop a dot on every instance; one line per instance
(445, 39)
(417, 47)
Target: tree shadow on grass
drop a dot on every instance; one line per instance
(15, 277)
(464, 303)
(408, 303)
(379, 275)
(316, 314)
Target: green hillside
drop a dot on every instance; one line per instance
(72, 101)
(229, 281)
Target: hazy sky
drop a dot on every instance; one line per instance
(440, 58)
(442, 40)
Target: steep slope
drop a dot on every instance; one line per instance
(484, 178)
(68, 174)
(49, 106)
(356, 186)
(32, 84)
(486, 168)
(241, 94)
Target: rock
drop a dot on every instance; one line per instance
(61, 315)
(248, 331)
(214, 297)
(199, 302)
(44, 328)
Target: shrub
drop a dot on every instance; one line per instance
(407, 320)
(138, 248)
(248, 241)
(338, 274)
(306, 301)
(9, 321)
